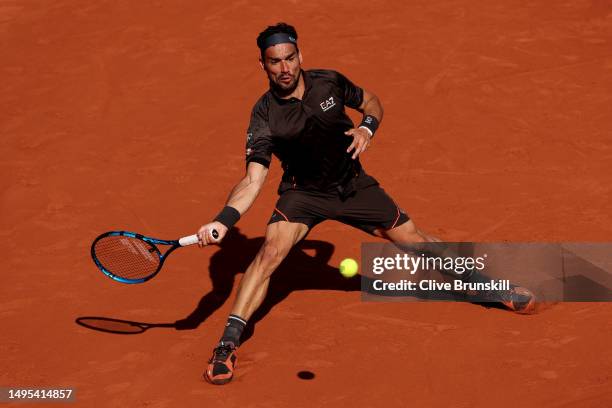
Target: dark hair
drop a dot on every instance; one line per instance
(271, 30)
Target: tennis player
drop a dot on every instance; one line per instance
(301, 120)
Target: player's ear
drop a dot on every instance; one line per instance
(300, 56)
(261, 64)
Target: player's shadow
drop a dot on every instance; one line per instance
(306, 267)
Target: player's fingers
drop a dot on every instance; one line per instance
(364, 145)
(363, 149)
(352, 146)
(200, 239)
(350, 133)
(207, 236)
(210, 237)
(358, 149)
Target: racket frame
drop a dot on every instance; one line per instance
(153, 241)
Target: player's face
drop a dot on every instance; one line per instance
(282, 63)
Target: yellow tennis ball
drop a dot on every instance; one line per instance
(349, 267)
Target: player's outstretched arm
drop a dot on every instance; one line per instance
(372, 116)
(371, 106)
(239, 201)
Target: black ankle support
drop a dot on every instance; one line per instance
(233, 330)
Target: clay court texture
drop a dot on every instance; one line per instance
(133, 115)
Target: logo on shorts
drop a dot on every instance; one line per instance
(328, 104)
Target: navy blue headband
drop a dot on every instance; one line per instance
(278, 38)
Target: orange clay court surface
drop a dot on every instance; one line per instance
(132, 115)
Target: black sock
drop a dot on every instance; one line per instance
(233, 330)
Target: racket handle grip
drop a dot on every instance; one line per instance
(190, 240)
(193, 239)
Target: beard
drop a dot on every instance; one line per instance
(282, 89)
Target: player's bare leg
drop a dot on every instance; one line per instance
(407, 232)
(518, 298)
(280, 238)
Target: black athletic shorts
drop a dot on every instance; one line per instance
(367, 208)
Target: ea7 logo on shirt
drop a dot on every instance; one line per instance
(328, 104)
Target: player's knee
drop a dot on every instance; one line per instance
(407, 232)
(272, 254)
(409, 228)
(413, 237)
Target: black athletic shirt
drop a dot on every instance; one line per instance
(308, 135)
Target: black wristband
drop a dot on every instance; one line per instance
(370, 123)
(228, 216)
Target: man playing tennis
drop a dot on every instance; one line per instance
(301, 119)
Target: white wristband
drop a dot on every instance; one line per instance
(369, 131)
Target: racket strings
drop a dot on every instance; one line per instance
(127, 257)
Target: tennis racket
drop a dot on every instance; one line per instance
(133, 258)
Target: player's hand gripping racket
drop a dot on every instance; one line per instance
(133, 258)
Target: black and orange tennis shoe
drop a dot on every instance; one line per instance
(519, 299)
(221, 365)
